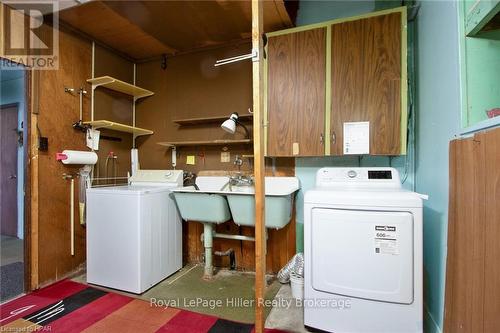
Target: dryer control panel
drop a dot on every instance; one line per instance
(359, 177)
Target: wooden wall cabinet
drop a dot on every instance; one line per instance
(346, 70)
(296, 93)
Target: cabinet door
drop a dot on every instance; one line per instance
(296, 93)
(366, 81)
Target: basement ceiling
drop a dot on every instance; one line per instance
(146, 29)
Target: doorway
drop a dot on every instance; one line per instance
(12, 158)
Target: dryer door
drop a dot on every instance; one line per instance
(363, 254)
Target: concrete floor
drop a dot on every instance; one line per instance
(12, 250)
(286, 315)
(229, 295)
(12, 276)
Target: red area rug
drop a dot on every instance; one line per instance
(69, 306)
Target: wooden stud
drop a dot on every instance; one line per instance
(33, 166)
(259, 166)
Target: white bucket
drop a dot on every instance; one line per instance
(297, 284)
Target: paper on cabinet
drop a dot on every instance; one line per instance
(357, 138)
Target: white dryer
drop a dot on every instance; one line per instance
(363, 253)
(134, 232)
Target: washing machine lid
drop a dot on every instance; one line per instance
(376, 197)
(128, 189)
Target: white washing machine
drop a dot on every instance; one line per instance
(363, 253)
(134, 232)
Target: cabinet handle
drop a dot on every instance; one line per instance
(321, 139)
(334, 138)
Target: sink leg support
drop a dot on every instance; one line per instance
(207, 242)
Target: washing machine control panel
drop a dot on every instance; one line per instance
(157, 176)
(376, 176)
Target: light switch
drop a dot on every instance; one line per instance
(225, 157)
(190, 160)
(295, 148)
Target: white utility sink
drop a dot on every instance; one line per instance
(280, 192)
(208, 203)
(203, 204)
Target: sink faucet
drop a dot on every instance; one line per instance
(241, 180)
(190, 179)
(238, 162)
(238, 179)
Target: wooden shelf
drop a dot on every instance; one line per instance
(120, 86)
(205, 143)
(96, 124)
(206, 120)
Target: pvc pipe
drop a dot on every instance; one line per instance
(72, 216)
(228, 236)
(174, 157)
(208, 242)
(207, 238)
(237, 237)
(134, 158)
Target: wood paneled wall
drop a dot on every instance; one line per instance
(191, 87)
(114, 106)
(472, 302)
(57, 112)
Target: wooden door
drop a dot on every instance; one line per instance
(296, 93)
(472, 301)
(366, 81)
(8, 170)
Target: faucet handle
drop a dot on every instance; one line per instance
(237, 160)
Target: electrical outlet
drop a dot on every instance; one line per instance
(225, 157)
(43, 143)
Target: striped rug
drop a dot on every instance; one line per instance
(69, 306)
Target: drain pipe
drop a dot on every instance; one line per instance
(236, 237)
(207, 243)
(229, 253)
(207, 239)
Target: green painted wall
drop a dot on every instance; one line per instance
(312, 11)
(480, 69)
(438, 122)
